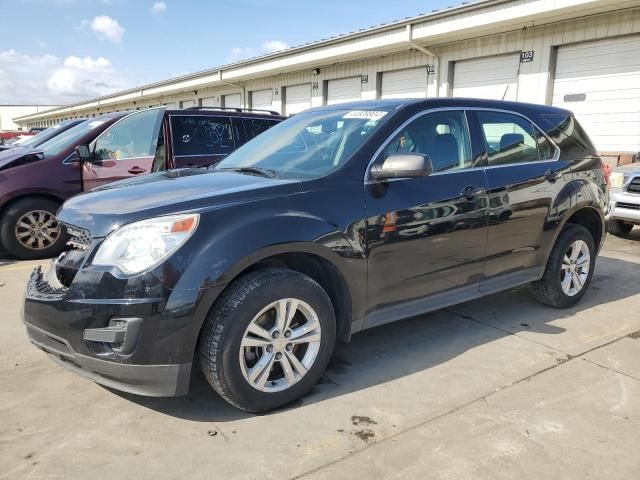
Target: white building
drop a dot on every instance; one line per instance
(9, 112)
(580, 54)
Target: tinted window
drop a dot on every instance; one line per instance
(198, 135)
(511, 138)
(255, 126)
(133, 136)
(441, 135)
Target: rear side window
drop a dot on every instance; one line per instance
(255, 126)
(511, 139)
(200, 135)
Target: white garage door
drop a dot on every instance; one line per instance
(208, 102)
(170, 106)
(297, 98)
(495, 78)
(232, 101)
(410, 83)
(187, 103)
(344, 90)
(600, 83)
(262, 99)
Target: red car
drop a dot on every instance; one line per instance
(114, 146)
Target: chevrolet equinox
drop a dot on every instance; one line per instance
(341, 218)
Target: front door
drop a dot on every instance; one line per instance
(426, 236)
(524, 177)
(125, 149)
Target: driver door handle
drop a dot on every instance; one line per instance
(471, 191)
(137, 170)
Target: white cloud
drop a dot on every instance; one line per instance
(158, 8)
(106, 28)
(270, 46)
(50, 80)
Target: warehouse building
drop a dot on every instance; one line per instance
(583, 55)
(9, 112)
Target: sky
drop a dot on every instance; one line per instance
(55, 52)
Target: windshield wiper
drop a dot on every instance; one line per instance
(264, 172)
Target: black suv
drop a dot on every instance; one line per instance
(338, 219)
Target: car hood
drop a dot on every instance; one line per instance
(7, 157)
(628, 169)
(106, 208)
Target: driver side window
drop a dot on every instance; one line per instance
(133, 137)
(441, 135)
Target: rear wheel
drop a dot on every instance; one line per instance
(30, 230)
(569, 268)
(268, 339)
(619, 228)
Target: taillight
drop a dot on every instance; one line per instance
(606, 171)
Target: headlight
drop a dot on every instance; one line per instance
(616, 179)
(140, 246)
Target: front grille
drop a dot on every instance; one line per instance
(80, 238)
(634, 185)
(631, 206)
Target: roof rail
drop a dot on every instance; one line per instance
(234, 109)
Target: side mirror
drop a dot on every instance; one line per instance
(403, 165)
(84, 153)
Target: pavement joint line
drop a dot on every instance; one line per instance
(483, 398)
(610, 369)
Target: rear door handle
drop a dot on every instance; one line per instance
(551, 175)
(471, 191)
(136, 170)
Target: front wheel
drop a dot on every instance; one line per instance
(619, 228)
(268, 339)
(30, 230)
(569, 268)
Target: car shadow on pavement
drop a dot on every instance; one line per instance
(403, 348)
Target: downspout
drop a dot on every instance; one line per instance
(426, 51)
(243, 91)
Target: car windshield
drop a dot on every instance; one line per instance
(308, 145)
(59, 143)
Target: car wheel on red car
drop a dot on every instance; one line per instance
(30, 230)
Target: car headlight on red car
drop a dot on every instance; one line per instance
(140, 246)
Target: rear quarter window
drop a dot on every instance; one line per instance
(255, 126)
(198, 135)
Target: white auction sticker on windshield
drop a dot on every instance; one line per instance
(95, 123)
(365, 114)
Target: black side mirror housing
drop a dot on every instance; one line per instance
(403, 165)
(84, 153)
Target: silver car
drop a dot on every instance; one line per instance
(624, 199)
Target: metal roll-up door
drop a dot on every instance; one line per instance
(232, 101)
(490, 77)
(208, 102)
(600, 83)
(409, 83)
(262, 99)
(344, 90)
(297, 98)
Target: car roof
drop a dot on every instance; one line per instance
(441, 102)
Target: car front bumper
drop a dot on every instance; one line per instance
(92, 338)
(623, 206)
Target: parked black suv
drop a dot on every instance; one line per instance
(338, 219)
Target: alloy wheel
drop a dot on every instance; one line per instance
(280, 345)
(575, 268)
(37, 230)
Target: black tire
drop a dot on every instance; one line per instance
(10, 218)
(619, 228)
(224, 328)
(548, 289)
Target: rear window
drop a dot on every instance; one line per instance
(255, 126)
(198, 135)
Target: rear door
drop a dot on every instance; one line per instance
(524, 177)
(125, 149)
(203, 140)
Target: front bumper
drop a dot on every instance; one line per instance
(76, 332)
(623, 206)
